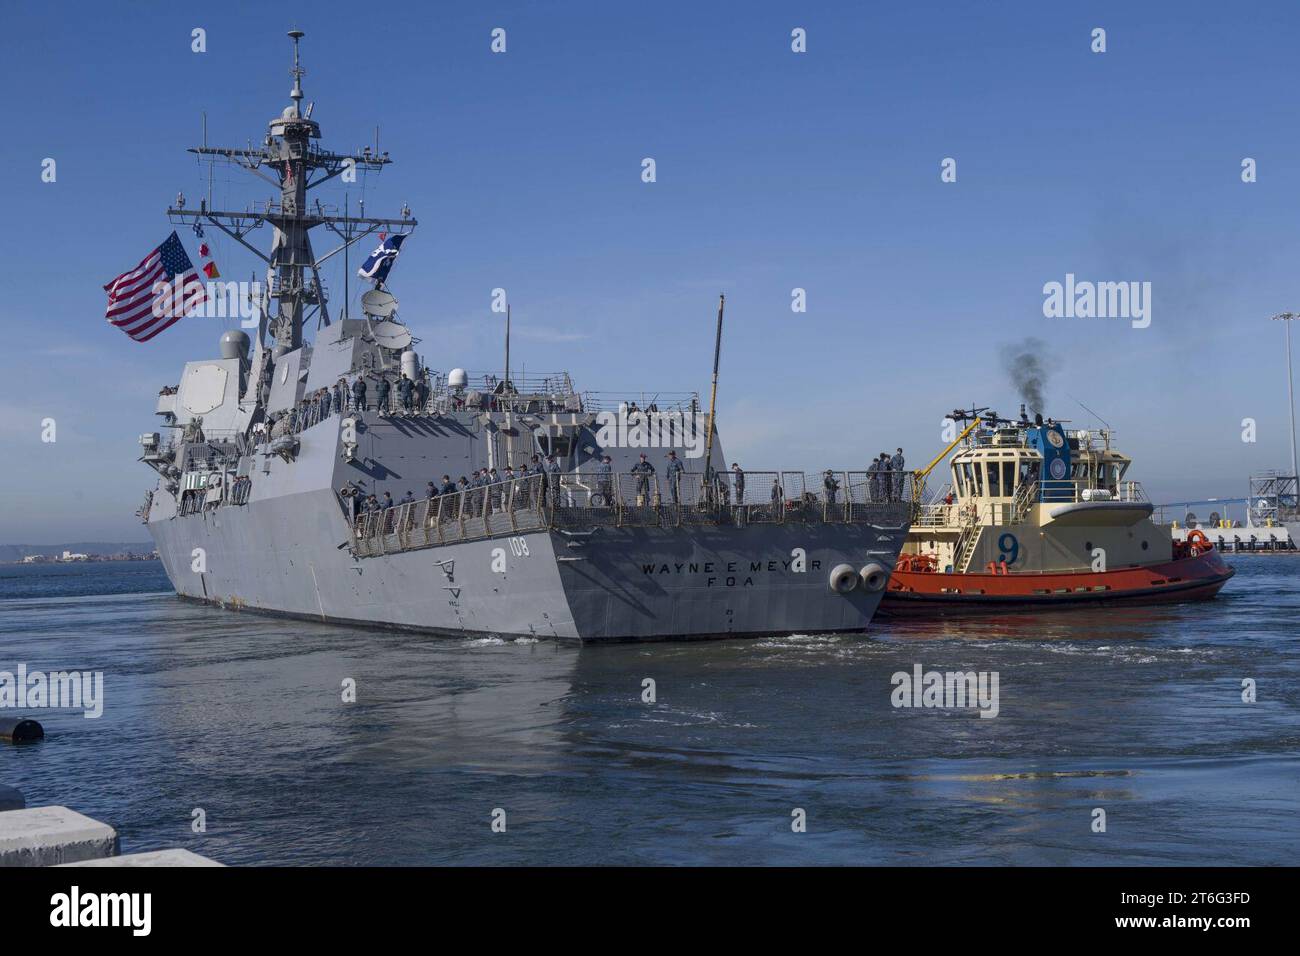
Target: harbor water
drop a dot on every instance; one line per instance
(1137, 712)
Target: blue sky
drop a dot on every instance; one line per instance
(775, 170)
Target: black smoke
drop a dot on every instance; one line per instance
(1028, 365)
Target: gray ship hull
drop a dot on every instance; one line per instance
(611, 584)
(344, 479)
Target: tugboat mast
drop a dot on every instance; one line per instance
(288, 160)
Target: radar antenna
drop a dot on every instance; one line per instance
(288, 160)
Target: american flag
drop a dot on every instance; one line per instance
(137, 310)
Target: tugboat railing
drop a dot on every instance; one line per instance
(1028, 494)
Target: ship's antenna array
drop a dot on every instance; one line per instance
(289, 160)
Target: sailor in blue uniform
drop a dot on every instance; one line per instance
(605, 480)
(553, 478)
(404, 389)
(643, 470)
(674, 472)
(421, 392)
(831, 486)
(896, 467)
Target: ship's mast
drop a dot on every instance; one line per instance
(288, 160)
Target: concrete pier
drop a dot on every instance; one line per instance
(46, 836)
(156, 858)
(57, 836)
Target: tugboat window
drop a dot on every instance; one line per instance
(994, 487)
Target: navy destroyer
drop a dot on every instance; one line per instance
(331, 479)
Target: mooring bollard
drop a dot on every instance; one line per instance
(20, 730)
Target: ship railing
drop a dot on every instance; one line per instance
(1025, 497)
(942, 515)
(685, 403)
(757, 497)
(503, 507)
(1132, 491)
(574, 502)
(939, 515)
(1071, 491)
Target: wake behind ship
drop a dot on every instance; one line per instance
(330, 480)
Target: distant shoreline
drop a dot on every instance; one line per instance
(80, 559)
(82, 551)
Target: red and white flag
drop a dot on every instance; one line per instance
(156, 294)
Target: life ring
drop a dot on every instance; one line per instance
(1197, 541)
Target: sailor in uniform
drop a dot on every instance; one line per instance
(831, 486)
(674, 471)
(605, 480)
(525, 492)
(404, 387)
(896, 466)
(508, 477)
(421, 392)
(553, 479)
(643, 470)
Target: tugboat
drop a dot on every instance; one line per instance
(1037, 515)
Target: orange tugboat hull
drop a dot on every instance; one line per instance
(1192, 578)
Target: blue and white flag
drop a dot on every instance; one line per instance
(381, 260)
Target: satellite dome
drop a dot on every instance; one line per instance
(234, 344)
(457, 378)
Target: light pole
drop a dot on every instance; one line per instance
(1287, 317)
